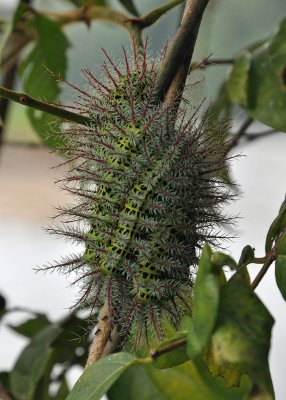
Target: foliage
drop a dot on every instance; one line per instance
(221, 350)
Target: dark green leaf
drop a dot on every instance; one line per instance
(71, 339)
(187, 381)
(19, 12)
(280, 264)
(31, 364)
(276, 227)
(32, 326)
(280, 274)
(4, 379)
(47, 57)
(205, 304)
(98, 378)
(243, 332)
(258, 80)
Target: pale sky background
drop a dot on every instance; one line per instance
(28, 193)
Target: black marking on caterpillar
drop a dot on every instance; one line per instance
(148, 197)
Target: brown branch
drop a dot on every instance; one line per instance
(90, 13)
(102, 335)
(173, 73)
(29, 101)
(270, 257)
(8, 81)
(31, 145)
(173, 346)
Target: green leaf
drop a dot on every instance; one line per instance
(258, 80)
(49, 54)
(281, 244)
(276, 227)
(220, 260)
(205, 264)
(190, 380)
(32, 326)
(205, 304)
(246, 257)
(4, 379)
(243, 332)
(31, 364)
(174, 357)
(98, 378)
(231, 373)
(280, 274)
(238, 80)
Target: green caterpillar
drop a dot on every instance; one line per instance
(148, 197)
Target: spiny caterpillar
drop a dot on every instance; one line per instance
(148, 196)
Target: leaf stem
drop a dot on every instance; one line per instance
(270, 257)
(29, 101)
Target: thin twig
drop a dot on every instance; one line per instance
(251, 136)
(270, 257)
(239, 133)
(212, 62)
(152, 16)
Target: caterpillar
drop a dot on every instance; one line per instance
(148, 195)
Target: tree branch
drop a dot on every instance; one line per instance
(29, 101)
(173, 73)
(102, 335)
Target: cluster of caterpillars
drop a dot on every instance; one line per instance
(148, 196)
